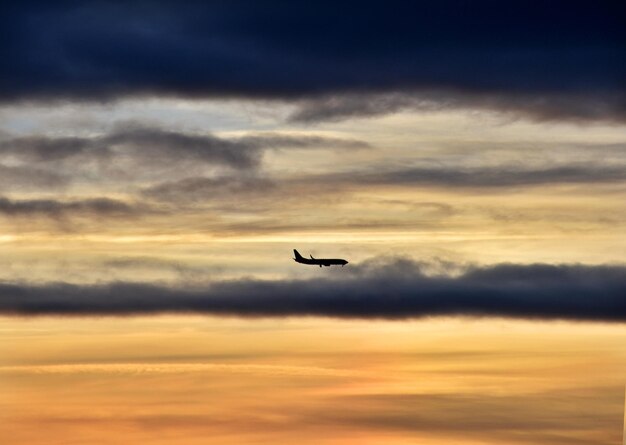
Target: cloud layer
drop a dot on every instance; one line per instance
(99, 207)
(135, 153)
(582, 106)
(395, 289)
(489, 177)
(529, 53)
(146, 144)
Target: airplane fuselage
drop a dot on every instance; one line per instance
(319, 261)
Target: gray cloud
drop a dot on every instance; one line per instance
(259, 193)
(200, 189)
(57, 208)
(580, 108)
(342, 107)
(132, 152)
(154, 143)
(136, 143)
(277, 140)
(41, 149)
(500, 176)
(29, 178)
(395, 289)
(261, 189)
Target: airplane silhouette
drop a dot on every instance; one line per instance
(319, 262)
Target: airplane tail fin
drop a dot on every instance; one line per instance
(297, 254)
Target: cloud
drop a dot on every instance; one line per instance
(41, 149)
(105, 50)
(259, 192)
(541, 417)
(149, 144)
(131, 152)
(29, 178)
(137, 144)
(201, 189)
(56, 208)
(580, 107)
(499, 176)
(278, 141)
(395, 289)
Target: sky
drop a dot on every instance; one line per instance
(159, 162)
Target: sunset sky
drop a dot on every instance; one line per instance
(160, 161)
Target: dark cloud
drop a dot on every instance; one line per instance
(580, 107)
(101, 50)
(56, 208)
(148, 144)
(391, 290)
(28, 178)
(135, 153)
(500, 176)
(135, 143)
(41, 148)
(277, 141)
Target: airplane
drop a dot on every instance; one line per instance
(318, 262)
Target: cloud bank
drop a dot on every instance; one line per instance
(518, 52)
(395, 289)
